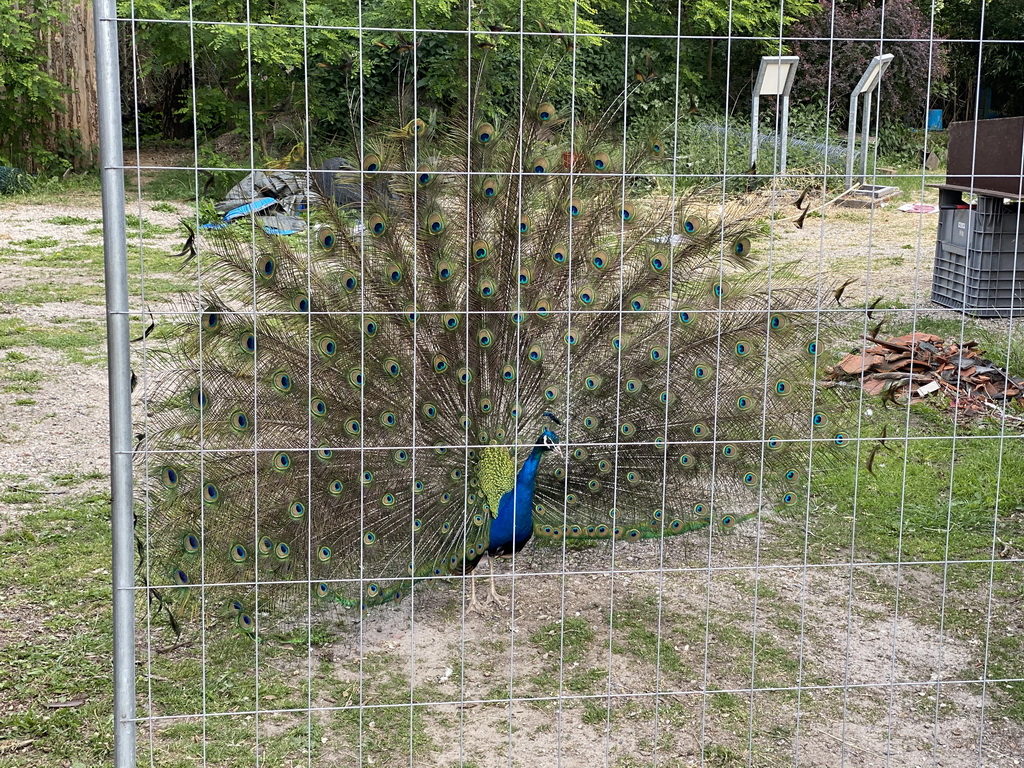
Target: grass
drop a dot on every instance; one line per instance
(930, 501)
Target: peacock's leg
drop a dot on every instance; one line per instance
(494, 597)
(474, 603)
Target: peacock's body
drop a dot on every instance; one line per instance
(498, 342)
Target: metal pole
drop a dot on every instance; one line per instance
(108, 87)
(865, 136)
(755, 116)
(851, 139)
(784, 134)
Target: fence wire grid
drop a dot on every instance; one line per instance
(667, 303)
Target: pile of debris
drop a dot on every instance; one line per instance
(917, 365)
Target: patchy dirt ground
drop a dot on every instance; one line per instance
(722, 658)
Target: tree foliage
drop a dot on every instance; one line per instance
(28, 94)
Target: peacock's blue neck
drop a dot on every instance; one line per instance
(514, 523)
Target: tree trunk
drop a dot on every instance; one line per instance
(71, 51)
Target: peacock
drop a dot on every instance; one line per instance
(499, 340)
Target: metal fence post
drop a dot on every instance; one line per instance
(119, 377)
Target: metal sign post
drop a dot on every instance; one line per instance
(868, 83)
(774, 78)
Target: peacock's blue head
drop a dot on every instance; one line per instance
(548, 441)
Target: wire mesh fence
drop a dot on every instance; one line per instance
(522, 284)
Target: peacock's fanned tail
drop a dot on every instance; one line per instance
(346, 410)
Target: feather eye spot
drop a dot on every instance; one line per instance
(701, 372)
(632, 478)
(282, 551)
(819, 419)
(729, 451)
(335, 487)
(570, 338)
(592, 383)
(327, 346)
(490, 188)
(688, 461)
(353, 427)
(789, 499)
(633, 386)
(720, 289)
(601, 161)
(169, 477)
(699, 430)
(658, 354)
(742, 348)
(324, 453)
(247, 342)
(180, 577)
(377, 225)
(604, 466)
(238, 554)
(486, 405)
(282, 382)
(388, 419)
(525, 275)
(535, 353)
(440, 364)
(450, 321)
(366, 478)
(551, 394)
(774, 443)
(580, 454)
(559, 254)
(627, 429)
(749, 479)
(266, 545)
(372, 590)
(322, 590)
(465, 375)
(842, 440)
(371, 163)
(211, 321)
(812, 348)
(355, 378)
(429, 411)
(792, 475)
(783, 388)
(686, 316)
(628, 212)
(638, 303)
(211, 494)
(425, 176)
(481, 250)
(401, 456)
(446, 497)
(741, 247)
(659, 262)
(594, 486)
(591, 422)
(777, 322)
(297, 510)
(190, 543)
(485, 133)
(525, 224)
(744, 403)
(586, 296)
(281, 461)
(197, 399)
(574, 208)
(692, 225)
(266, 266)
(323, 554)
(317, 407)
(487, 288)
(435, 223)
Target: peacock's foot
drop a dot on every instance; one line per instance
(494, 597)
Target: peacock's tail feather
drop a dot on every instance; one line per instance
(347, 408)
